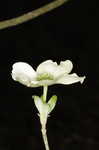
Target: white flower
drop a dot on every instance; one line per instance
(47, 73)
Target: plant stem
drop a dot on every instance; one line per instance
(45, 89)
(43, 120)
(44, 135)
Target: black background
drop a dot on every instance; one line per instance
(69, 32)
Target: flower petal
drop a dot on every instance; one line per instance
(23, 73)
(64, 67)
(48, 67)
(70, 79)
(51, 68)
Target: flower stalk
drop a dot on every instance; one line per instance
(43, 125)
(45, 89)
(44, 109)
(44, 135)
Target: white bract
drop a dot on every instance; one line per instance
(47, 73)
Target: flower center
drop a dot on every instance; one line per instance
(44, 76)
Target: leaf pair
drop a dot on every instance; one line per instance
(45, 107)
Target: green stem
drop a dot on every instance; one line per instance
(44, 135)
(45, 89)
(43, 120)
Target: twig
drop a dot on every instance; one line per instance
(31, 15)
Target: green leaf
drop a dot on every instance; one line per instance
(42, 107)
(37, 102)
(52, 103)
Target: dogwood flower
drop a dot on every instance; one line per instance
(47, 73)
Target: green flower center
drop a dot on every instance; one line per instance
(44, 76)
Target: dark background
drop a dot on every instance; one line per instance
(69, 32)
